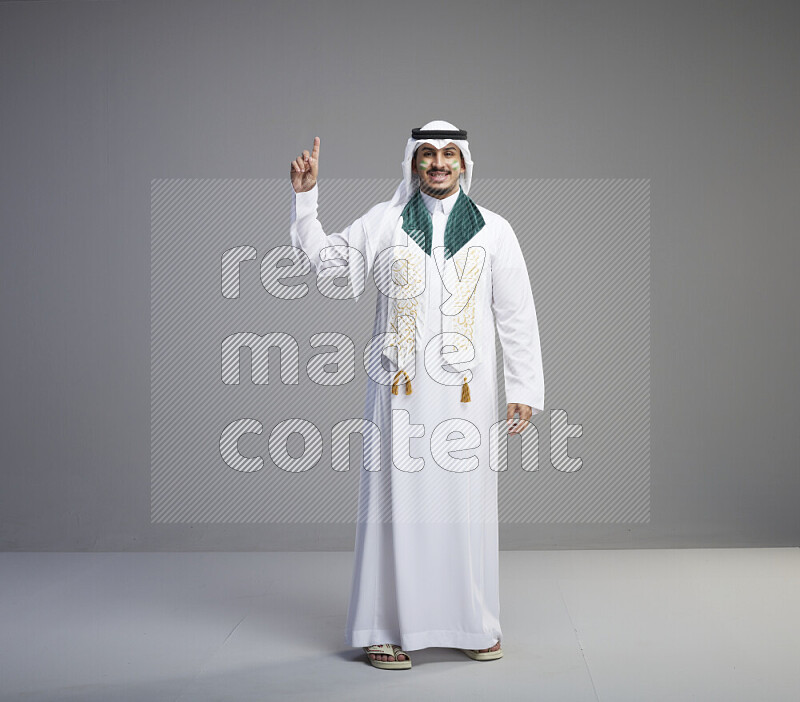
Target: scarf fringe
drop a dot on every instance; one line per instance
(465, 393)
(465, 396)
(407, 381)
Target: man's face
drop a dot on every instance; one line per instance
(438, 169)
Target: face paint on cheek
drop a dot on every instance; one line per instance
(455, 165)
(423, 165)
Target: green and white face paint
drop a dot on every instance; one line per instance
(454, 164)
(439, 169)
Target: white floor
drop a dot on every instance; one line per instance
(639, 625)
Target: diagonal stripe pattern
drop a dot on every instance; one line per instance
(235, 355)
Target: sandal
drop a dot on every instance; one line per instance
(388, 650)
(475, 655)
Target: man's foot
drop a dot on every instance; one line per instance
(484, 654)
(383, 657)
(493, 648)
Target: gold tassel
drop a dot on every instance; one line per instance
(407, 381)
(465, 397)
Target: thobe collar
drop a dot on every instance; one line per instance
(436, 205)
(464, 220)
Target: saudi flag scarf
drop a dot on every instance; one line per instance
(460, 267)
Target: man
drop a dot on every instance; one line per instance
(449, 271)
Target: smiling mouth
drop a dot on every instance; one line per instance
(438, 175)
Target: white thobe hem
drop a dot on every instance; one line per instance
(422, 639)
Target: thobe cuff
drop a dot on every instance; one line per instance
(536, 406)
(305, 204)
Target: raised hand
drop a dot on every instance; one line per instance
(304, 169)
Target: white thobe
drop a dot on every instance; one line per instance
(426, 556)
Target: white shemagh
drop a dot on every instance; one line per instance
(403, 268)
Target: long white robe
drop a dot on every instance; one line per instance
(426, 555)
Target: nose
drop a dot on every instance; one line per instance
(439, 162)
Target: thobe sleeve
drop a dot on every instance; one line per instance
(517, 327)
(307, 234)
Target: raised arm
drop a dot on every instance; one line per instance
(307, 232)
(517, 328)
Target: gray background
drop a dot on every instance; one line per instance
(100, 98)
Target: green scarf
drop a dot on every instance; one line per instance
(464, 222)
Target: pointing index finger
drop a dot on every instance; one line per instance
(315, 150)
